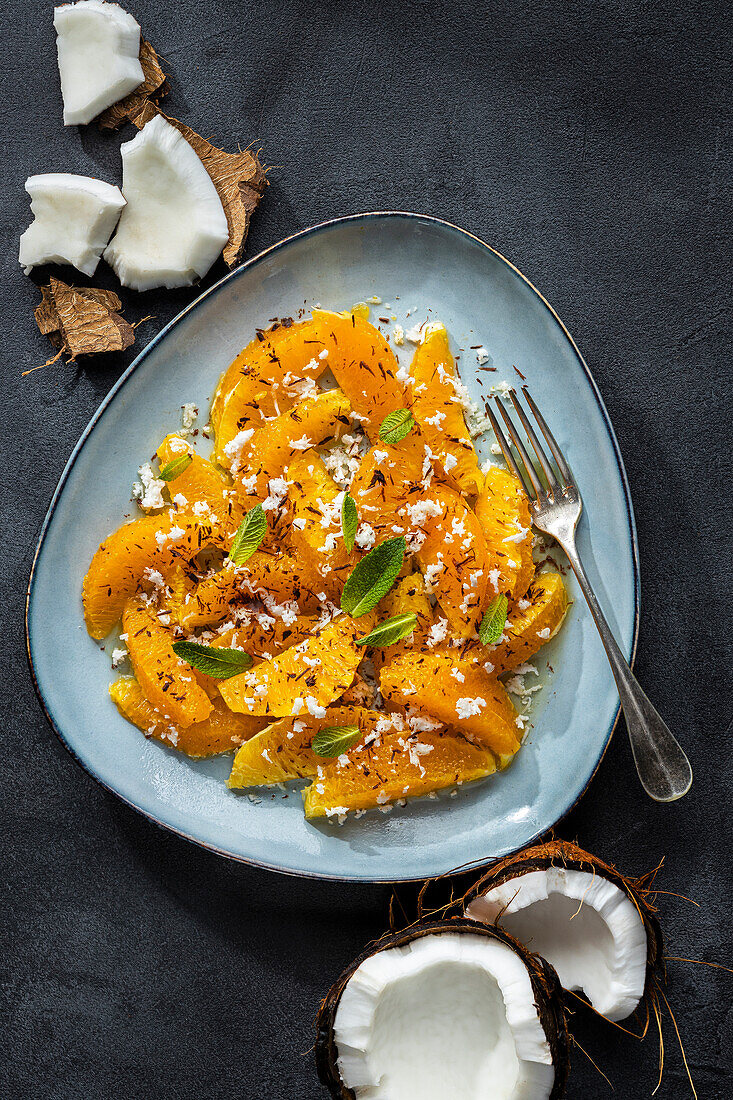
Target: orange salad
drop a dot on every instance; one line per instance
(339, 593)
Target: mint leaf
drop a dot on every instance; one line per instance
(494, 620)
(396, 425)
(252, 530)
(176, 466)
(333, 740)
(373, 577)
(349, 521)
(213, 660)
(390, 631)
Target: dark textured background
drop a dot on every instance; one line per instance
(588, 143)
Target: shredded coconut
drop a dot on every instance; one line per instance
(365, 537)
(467, 707)
(314, 708)
(438, 632)
(302, 444)
(149, 490)
(189, 412)
(118, 657)
(235, 447)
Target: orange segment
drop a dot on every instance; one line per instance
(457, 692)
(200, 489)
(169, 683)
(364, 366)
(316, 535)
(283, 750)
(270, 450)
(117, 568)
(389, 477)
(268, 378)
(438, 411)
(503, 512)
(278, 576)
(262, 636)
(407, 597)
(305, 678)
(248, 363)
(531, 622)
(453, 559)
(397, 765)
(221, 732)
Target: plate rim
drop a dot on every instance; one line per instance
(313, 230)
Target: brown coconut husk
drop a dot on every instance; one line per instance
(239, 178)
(153, 88)
(563, 853)
(82, 320)
(545, 986)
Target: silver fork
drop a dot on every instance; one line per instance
(663, 768)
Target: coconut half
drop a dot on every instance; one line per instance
(174, 225)
(74, 217)
(98, 48)
(593, 926)
(446, 1010)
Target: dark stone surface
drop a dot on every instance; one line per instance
(588, 143)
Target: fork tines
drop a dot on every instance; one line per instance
(556, 483)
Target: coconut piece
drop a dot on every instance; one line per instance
(73, 218)
(442, 1013)
(239, 179)
(82, 320)
(153, 87)
(596, 928)
(173, 226)
(98, 47)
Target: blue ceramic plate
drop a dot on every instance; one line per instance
(414, 263)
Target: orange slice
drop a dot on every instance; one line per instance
(305, 678)
(283, 750)
(503, 512)
(459, 693)
(155, 543)
(454, 559)
(169, 684)
(397, 765)
(221, 732)
(436, 407)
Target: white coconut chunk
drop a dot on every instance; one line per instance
(446, 1017)
(174, 226)
(98, 49)
(73, 218)
(583, 924)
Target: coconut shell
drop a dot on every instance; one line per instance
(239, 179)
(563, 853)
(545, 985)
(82, 320)
(154, 87)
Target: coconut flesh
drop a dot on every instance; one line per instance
(98, 48)
(174, 225)
(449, 1016)
(583, 924)
(74, 217)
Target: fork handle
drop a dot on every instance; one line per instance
(663, 767)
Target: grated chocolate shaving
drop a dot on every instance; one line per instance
(154, 87)
(239, 179)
